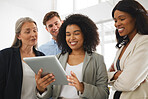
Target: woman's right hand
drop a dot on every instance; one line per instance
(117, 74)
(43, 82)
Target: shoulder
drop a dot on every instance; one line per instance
(96, 55)
(47, 43)
(46, 46)
(8, 50)
(38, 53)
(141, 40)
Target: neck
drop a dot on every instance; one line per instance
(80, 52)
(26, 49)
(131, 35)
(54, 38)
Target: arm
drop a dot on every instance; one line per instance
(99, 88)
(2, 76)
(135, 70)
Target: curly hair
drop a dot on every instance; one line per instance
(88, 28)
(137, 11)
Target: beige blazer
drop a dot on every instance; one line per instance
(94, 78)
(134, 63)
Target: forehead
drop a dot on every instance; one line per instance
(53, 20)
(118, 14)
(73, 27)
(28, 25)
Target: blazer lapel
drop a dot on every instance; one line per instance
(63, 61)
(86, 61)
(128, 50)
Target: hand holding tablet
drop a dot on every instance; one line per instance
(49, 64)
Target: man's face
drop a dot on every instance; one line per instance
(53, 25)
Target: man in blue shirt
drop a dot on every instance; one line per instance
(53, 22)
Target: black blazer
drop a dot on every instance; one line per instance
(11, 73)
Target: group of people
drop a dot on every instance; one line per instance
(74, 42)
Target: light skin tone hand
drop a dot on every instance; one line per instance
(75, 82)
(43, 82)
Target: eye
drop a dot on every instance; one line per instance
(27, 32)
(122, 19)
(68, 34)
(50, 26)
(115, 20)
(77, 33)
(35, 30)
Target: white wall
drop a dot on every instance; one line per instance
(12, 10)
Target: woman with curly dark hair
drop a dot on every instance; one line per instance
(78, 38)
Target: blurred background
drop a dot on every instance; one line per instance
(98, 10)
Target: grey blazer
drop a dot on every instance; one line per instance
(94, 78)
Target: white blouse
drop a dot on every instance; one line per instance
(70, 91)
(29, 84)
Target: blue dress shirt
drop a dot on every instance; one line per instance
(50, 48)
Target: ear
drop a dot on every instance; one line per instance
(47, 29)
(62, 21)
(18, 37)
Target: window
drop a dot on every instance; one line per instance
(81, 4)
(64, 6)
(107, 42)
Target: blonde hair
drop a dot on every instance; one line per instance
(18, 26)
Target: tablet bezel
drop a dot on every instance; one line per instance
(49, 64)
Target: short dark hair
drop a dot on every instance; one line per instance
(137, 11)
(50, 15)
(88, 28)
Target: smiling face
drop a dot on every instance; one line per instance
(53, 25)
(74, 37)
(125, 23)
(28, 34)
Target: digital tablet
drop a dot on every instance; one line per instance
(49, 64)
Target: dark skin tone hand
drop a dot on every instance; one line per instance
(117, 75)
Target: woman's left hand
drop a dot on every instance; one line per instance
(75, 82)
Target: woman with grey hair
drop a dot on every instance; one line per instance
(16, 78)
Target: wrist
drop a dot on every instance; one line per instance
(82, 87)
(41, 91)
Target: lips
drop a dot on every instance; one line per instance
(73, 43)
(33, 39)
(55, 31)
(120, 30)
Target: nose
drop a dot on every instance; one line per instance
(117, 24)
(54, 26)
(72, 36)
(33, 33)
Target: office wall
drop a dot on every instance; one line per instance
(11, 10)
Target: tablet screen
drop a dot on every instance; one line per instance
(49, 64)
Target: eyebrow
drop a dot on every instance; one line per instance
(30, 28)
(120, 16)
(75, 31)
